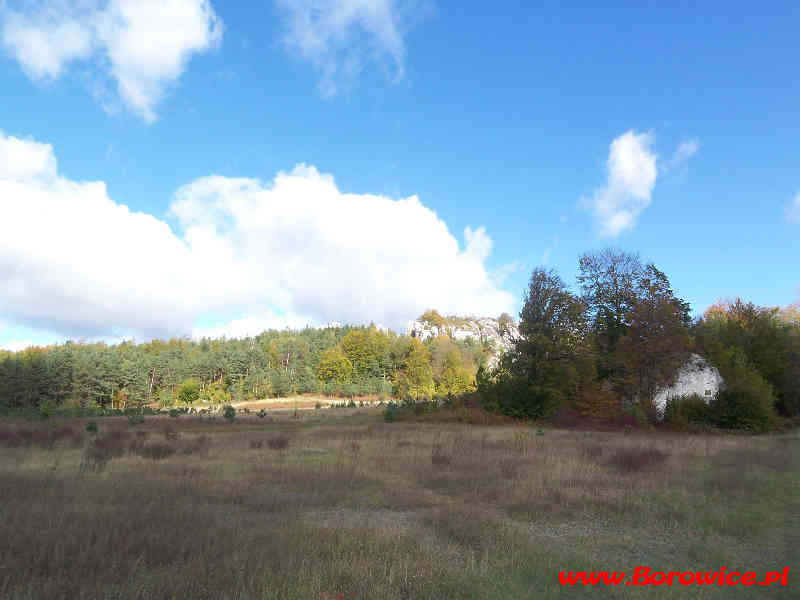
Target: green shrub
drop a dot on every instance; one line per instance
(188, 393)
(136, 419)
(517, 396)
(745, 404)
(91, 427)
(685, 410)
(174, 413)
(229, 413)
(46, 410)
(391, 412)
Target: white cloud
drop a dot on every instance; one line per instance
(295, 251)
(17, 345)
(144, 45)
(24, 160)
(628, 191)
(793, 209)
(47, 37)
(339, 37)
(686, 149)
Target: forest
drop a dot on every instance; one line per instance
(345, 362)
(602, 352)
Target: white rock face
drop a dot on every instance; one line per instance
(480, 329)
(697, 376)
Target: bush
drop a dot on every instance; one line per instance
(197, 445)
(391, 412)
(156, 450)
(685, 410)
(103, 448)
(518, 397)
(46, 410)
(229, 413)
(136, 419)
(745, 404)
(189, 392)
(91, 427)
(632, 460)
(278, 442)
(439, 458)
(174, 413)
(256, 444)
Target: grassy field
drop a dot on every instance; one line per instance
(339, 504)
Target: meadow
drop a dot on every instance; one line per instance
(339, 504)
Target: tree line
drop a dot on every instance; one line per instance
(335, 361)
(607, 349)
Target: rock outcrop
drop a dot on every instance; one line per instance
(696, 377)
(499, 334)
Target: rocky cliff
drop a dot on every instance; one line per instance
(497, 333)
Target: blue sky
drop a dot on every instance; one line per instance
(546, 130)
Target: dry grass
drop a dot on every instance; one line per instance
(186, 509)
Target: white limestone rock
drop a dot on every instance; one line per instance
(480, 329)
(696, 376)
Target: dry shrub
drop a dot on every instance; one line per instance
(25, 437)
(67, 435)
(256, 444)
(43, 437)
(103, 448)
(8, 438)
(170, 434)
(156, 450)
(197, 445)
(278, 442)
(509, 468)
(633, 460)
(403, 443)
(439, 458)
(566, 418)
(592, 450)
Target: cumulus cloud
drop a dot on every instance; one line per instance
(628, 191)
(339, 37)
(245, 255)
(793, 209)
(142, 45)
